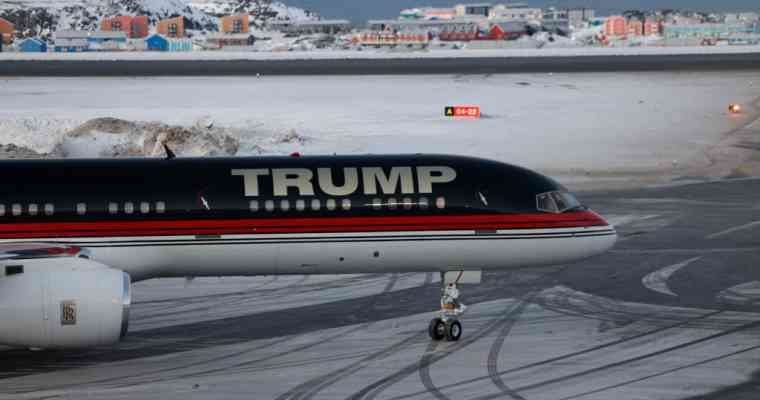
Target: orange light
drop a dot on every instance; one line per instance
(734, 108)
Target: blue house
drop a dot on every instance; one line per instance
(32, 45)
(157, 42)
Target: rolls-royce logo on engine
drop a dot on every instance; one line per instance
(68, 312)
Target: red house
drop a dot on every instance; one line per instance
(134, 27)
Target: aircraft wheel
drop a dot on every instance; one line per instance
(453, 331)
(437, 329)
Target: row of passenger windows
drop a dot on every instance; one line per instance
(159, 207)
(345, 204)
(128, 207)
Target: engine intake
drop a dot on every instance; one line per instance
(64, 303)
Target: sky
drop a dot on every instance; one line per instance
(362, 10)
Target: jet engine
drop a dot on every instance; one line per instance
(62, 303)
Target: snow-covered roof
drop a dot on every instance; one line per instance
(72, 34)
(320, 22)
(231, 36)
(71, 42)
(108, 35)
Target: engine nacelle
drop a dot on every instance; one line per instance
(55, 303)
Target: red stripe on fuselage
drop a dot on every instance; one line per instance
(300, 225)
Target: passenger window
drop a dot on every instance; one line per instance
(346, 204)
(2, 210)
(300, 205)
(253, 205)
(16, 210)
(113, 208)
(392, 204)
(440, 203)
(49, 209)
(407, 203)
(377, 203)
(33, 210)
(144, 207)
(330, 204)
(424, 203)
(316, 205)
(160, 207)
(269, 205)
(284, 205)
(129, 207)
(81, 208)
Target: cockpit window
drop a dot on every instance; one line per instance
(556, 202)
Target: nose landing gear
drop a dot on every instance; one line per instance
(446, 324)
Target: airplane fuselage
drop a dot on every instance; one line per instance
(294, 215)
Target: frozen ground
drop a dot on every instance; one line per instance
(372, 54)
(578, 127)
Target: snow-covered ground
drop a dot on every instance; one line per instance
(577, 127)
(548, 51)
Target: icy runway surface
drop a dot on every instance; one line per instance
(581, 126)
(593, 330)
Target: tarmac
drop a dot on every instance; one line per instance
(672, 312)
(381, 66)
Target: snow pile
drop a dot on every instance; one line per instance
(113, 137)
(260, 11)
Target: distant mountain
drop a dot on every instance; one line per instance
(44, 17)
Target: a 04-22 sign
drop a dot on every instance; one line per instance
(462, 111)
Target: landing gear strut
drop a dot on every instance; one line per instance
(446, 324)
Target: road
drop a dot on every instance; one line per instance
(382, 66)
(672, 312)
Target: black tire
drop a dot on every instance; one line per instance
(437, 329)
(453, 331)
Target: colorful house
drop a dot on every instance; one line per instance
(615, 26)
(158, 42)
(133, 27)
(31, 45)
(107, 41)
(172, 27)
(235, 24)
(7, 30)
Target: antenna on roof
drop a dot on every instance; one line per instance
(169, 153)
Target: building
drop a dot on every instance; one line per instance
(133, 27)
(505, 12)
(7, 30)
(615, 25)
(31, 45)
(172, 27)
(579, 17)
(733, 18)
(463, 26)
(507, 30)
(107, 41)
(71, 42)
(652, 27)
(393, 39)
(476, 9)
(710, 31)
(158, 42)
(634, 27)
(235, 24)
(237, 40)
(327, 26)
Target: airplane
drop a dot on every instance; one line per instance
(74, 234)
